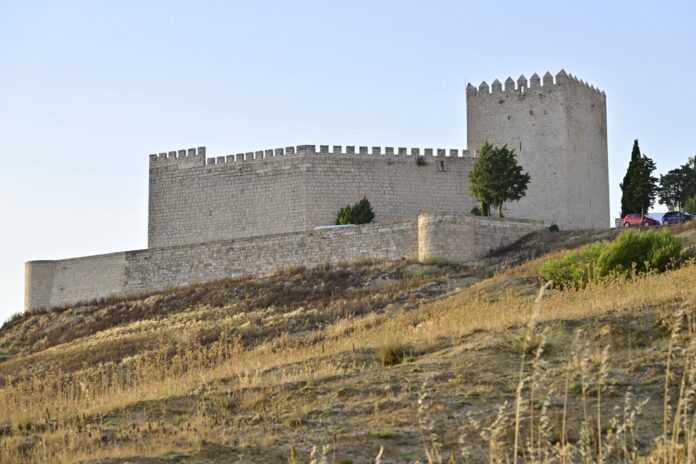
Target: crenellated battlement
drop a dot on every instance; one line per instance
(197, 157)
(535, 83)
(338, 150)
(184, 157)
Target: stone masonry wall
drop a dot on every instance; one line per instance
(459, 238)
(558, 130)
(54, 283)
(62, 282)
(397, 187)
(160, 268)
(446, 236)
(195, 200)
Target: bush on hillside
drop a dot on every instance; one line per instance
(359, 213)
(633, 252)
(574, 269)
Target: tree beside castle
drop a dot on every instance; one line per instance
(639, 186)
(496, 178)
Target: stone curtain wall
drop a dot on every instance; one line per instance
(396, 186)
(458, 238)
(191, 201)
(58, 283)
(160, 268)
(194, 200)
(558, 130)
(433, 236)
(54, 283)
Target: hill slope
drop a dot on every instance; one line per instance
(413, 359)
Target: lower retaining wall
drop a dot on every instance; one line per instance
(160, 268)
(434, 236)
(460, 238)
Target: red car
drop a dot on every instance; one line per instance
(635, 219)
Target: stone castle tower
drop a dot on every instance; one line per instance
(559, 132)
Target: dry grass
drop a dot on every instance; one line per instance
(248, 371)
(393, 352)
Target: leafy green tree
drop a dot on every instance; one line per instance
(642, 186)
(626, 193)
(496, 177)
(690, 182)
(359, 213)
(690, 205)
(674, 187)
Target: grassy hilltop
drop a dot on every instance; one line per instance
(363, 362)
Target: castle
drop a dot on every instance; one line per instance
(256, 212)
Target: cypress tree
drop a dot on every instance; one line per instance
(626, 193)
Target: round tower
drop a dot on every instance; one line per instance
(38, 284)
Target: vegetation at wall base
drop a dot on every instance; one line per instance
(632, 253)
(344, 216)
(360, 213)
(496, 177)
(482, 210)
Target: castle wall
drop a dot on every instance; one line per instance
(38, 283)
(459, 238)
(160, 268)
(396, 186)
(558, 130)
(65, 282)
(194, 200)
(588, 164)
(53, 283)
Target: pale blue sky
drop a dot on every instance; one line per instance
(89, 88)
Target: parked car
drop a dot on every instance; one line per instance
(675, 217)
(635, 219)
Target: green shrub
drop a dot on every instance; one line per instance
(362, 212)
(344, 216)
(359, 213)
(575, 269)
(639, 252)
(420, 160)
(632, 252)
(476, 211)
(553, 228)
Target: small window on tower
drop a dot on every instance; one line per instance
(441, 167)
